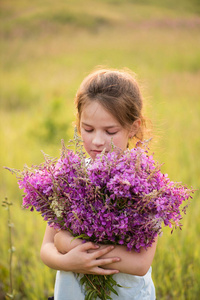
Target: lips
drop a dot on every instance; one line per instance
(97, 151)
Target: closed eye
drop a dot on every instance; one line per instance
(88, 130)
(111, 133)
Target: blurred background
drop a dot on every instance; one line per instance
(47, 48)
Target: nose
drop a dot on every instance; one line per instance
(98, 139)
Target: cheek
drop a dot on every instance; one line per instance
(121, 142)
(85, 138)
(118, 142)
(83, 134)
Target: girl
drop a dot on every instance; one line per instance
(109, 107)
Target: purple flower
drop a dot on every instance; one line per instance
(120, 198)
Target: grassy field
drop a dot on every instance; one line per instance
(47, 48)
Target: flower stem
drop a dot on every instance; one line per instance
(7, 205)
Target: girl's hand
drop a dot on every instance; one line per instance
(87, 258)
(78, 260)
(84, 258)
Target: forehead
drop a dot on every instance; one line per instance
(94, 112)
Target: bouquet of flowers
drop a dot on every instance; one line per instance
(119, 198)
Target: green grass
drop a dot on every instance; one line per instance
(47, 48)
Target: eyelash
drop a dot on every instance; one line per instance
(109, 133)
(88, 130)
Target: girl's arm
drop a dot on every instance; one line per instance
(131, 262)
(78, 259)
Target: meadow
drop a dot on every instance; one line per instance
(47, 48)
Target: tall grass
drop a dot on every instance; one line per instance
(47, 48)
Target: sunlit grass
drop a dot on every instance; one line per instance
(46, 50)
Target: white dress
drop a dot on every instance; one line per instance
(67, 287)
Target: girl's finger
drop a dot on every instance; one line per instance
(107, 261)
(87, 246)
(103, 251)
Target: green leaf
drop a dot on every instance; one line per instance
(91, 294)
(81, 236)
(82, 280)
(114, 282)
(111, 288)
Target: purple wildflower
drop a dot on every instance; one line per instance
(120, 198)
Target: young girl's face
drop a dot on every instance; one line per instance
(98, 128)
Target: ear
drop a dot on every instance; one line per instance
(134, 128)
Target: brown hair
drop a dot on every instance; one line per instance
(118, 92)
